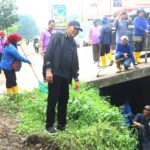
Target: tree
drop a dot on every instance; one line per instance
(27, 27)
(8, 13)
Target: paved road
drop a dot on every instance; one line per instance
(26, 79)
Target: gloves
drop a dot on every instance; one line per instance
(142, 127)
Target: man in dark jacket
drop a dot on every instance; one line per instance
(62, 65)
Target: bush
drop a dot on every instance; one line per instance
(93, 124)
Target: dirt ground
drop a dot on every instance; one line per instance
(11, 141)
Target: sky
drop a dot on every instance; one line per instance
(41, 9)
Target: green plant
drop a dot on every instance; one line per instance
(93, 124)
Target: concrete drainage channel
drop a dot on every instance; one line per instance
(136, 92)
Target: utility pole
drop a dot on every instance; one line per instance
(98, 6)
(52, 9)
(82, 10)
(110, 8)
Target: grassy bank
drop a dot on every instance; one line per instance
(93, 124)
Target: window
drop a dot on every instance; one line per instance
(117, 3)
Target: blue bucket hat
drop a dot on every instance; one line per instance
(140, 10)
(75, 24)
(104, 19)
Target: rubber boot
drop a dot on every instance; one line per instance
(118, 67)
(9, 90)
(139, 61)
(15, 89)
(103, 60)
(137, 57)
(109, 55)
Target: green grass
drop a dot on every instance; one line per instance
(93, 124)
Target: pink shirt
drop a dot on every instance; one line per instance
(45, 37)
(94, 34)
(2, 41)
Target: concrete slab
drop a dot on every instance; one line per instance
(108, 76)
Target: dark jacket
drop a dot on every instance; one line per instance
(53, 55)
(105, 35)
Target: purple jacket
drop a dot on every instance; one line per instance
(45, 37)
(94, 34)
(2, 41)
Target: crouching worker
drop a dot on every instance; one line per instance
(9, 56)
(142, 122)
(124, 54)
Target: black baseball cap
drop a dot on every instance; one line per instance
(75, 24)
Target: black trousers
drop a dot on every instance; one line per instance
(44, 68)
(0, 61)
(10, 78)
(58, 94)
(96, 52)
(105, 49)
(138, 46)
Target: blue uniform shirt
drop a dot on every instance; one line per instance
(121, 49)
(10, 54)
(140, 26)
(105, 35)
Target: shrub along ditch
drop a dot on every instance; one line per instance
(93, 124)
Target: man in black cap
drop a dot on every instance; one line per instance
(61, 66)
(142, 122)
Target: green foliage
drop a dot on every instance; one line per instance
(12, 29)
(93, 124)
(86, 103)
(8, 13)
(27, 27)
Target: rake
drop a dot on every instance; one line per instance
(41, 85)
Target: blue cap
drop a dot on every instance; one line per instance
(140, 10)
(75, 24)
(104, 19)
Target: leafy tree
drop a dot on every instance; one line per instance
(13, 29)
(8, 13)
(27, 27)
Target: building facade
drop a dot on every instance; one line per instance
(109, 7)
